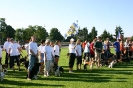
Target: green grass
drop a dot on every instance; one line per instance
(121, 76)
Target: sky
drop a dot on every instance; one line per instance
(101, 14)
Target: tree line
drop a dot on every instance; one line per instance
(23, 34)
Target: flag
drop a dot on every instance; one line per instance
(119, 35)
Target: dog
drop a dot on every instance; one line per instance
(35, 70)
(57, 69)
(3, 71)
(112, 64)
(88, 63)
(23, 59)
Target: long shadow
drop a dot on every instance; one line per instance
(20, 83)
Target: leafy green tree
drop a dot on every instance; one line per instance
(55, 35)
(120, 30)
(10, 32)
(41, 33)
(92, 34)
(19, 34)
(132, 38)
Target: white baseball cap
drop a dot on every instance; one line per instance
(72, 39)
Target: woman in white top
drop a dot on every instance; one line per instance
(87, 51)
(72, 55)
(41, 55)
(78, 54)
(13, 52)
(52, 48)
(56, 51)
(47, 57)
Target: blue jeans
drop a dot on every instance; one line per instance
(31, 62)
(42, 56)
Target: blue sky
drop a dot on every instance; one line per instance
(103, 14)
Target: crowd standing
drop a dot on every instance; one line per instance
(49, 52)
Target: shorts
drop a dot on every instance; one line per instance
(42, 56)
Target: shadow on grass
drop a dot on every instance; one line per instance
(20, 84)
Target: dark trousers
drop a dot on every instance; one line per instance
(71, 60)
(12, 59)
(6, 59)
(79, 60)
(118, 55)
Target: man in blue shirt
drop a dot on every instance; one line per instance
(117, 48)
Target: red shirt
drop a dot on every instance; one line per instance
(83, 45)
(91, 48)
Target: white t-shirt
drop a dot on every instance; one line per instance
(126, 44)
(19, 47)
(87, 49)
(71, 48)
(57, 50)
(78, 49)
(14, 49)
(33, 46)
(40, 48)
(27, 48)
(48, 51)
(0, 52)
(6, 46)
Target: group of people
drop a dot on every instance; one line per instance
(92, 51)
(49, 52)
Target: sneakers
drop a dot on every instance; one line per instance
(28, 79)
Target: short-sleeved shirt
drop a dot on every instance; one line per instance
(57, 50)
(71, 48)
(117, 46)
(83, 45)
(14, 49)
(87, 48)
(48, 51)
(40, 49)
(91, 48)
(98, 44)
(33, 46)
(6, 46)
(121, 46)
(79, 50)
(19, 46)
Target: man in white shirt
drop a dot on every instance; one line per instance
(13, 53)
(72, 55)
(6, 49)
(78, 54)
(33, 55)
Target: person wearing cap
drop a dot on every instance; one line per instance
(72, 55)
(48, 57)
(117, 48)
(6, 49)
(33, 55)
(98, 50)
(13, 53)
(41, 55)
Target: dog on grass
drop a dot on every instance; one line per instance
(88, 63)
(112, 64)
(57, 69)
(35, 70)
(3, 71)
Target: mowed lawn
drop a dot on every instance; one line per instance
(121, 76)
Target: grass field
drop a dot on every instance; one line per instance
(121, 76)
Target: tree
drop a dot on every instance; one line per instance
(28, 32)
(10, 32)
(120, 30)
(105, 35)
(19, 34)
(132, 38)
(92, 34)
(55, 34)
(41, 33)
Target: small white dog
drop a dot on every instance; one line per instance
(2, 74)
(112, 64)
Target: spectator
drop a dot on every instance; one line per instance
(47, 57)
(13, 53)
(92, 54)
(98, 50)
(79, 54)
(130, 49)
(106, 49)
(122, 47)
(83, 44)
(72, 55)
(56, 51)
(126, 45)
(87, 51)
(33, 54)
(52, 48)
(41, 55)
(6, 48)
(117, 48)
